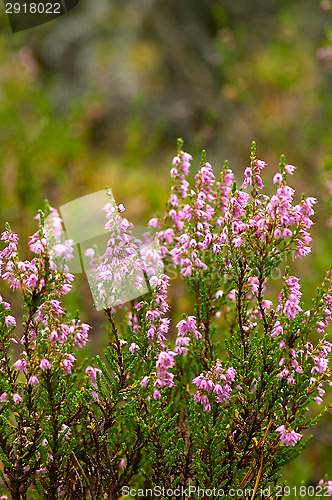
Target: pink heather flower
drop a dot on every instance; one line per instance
(57, 307)
(17, 398)
(237, 241)
(32, 281)
(67, 365)
(260, 164)
(33, 380)
(174, 201)
(286, 233)
(247, 178)
(290, 169)
(54, 336)
(179, 343)
(3, 397)
(327, 486)
(232, 295)
(10, 321)
(284, 373)
(321, 365)
(310, 201)
(54, 222)
(20, 364)
(37, 246)
(156, 394)
(288, 437)
(95, 396)
(144, 382)
(165, 360)
(92, 374)
(71, 357)
(6, 305)
(64, 250)
(206, 406)
(230, 374)
(186, 271)
(6, 236)
(45, 364)
(188, 325)
(291, 307)
(320, 391)
(277, 179)
(214, 382)
(153, 222)
(186, 157)
(133, 347)
(89, 253)
(229, 177)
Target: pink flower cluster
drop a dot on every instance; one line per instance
(252, 175)
(162, 377)
(181, 166)
(92, 372)
(58, 246)
(119, 266)
(186, 327)
(225, 242)
(214, 386)
(327, 485)
(42, 285)
(289, 298)
(216, 219)
(306, 359)
(26, 275)
(156, 325)
(288, 436)
(119, 273)
(325, 314)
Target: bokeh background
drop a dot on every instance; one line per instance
(99, 96)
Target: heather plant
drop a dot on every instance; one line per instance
(218, 410)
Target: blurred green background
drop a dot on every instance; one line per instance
(99, 96)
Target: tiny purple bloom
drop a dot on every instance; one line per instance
(45, 364)
(33, 380)
(17, 398)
